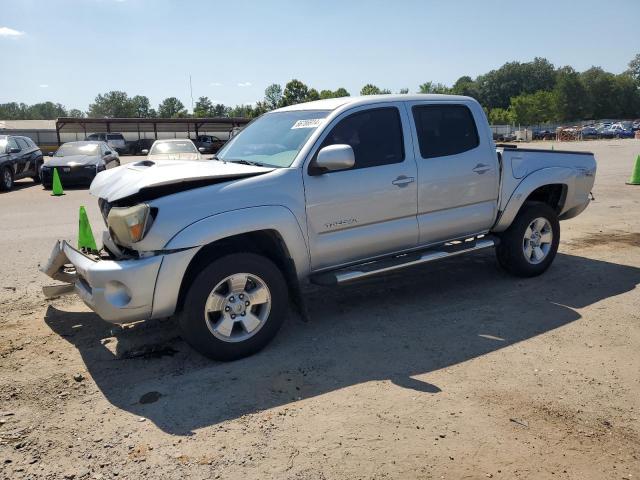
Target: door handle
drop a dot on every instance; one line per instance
(403, 181)
(481, 168)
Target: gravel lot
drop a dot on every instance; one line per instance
(453, 371)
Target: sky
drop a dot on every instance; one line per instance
(68, 51)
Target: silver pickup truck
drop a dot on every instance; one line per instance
(324, 192)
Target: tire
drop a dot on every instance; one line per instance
(210, 333)
(6, 179)
(518, 255)
(36, 178)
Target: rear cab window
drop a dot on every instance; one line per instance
(444, 130)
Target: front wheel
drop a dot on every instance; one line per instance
(234, 307)
(527, 248)
(6, 179)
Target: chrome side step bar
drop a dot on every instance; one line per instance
(358, 272)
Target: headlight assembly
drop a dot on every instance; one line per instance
(129, 225)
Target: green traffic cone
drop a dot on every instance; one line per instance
(57, 185)
(85, 235)
(635, 174)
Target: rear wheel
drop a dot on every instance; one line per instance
(37, 177)
(234, 306)
(527, 248)
(6, 179)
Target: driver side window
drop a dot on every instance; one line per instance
(12, 143)
(374, 135)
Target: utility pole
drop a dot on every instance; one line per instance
(191, 92)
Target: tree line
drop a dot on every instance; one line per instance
(518, 92)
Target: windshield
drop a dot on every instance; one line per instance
(273, 139)
(77, 149)
(172, 147)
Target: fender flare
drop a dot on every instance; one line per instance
(246, 220)
(545, 176)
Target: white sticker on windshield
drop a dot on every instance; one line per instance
(310, 123)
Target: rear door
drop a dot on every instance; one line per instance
(458, 177)
(16, 162)
(370, 209)
(27, 157)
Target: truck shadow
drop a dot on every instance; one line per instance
(393, 328)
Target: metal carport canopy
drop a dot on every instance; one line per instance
(139, 125)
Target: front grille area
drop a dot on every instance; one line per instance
(70, 175)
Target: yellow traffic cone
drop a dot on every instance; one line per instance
(635, 174)
(57, 185)
(85, 235)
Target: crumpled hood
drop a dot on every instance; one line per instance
(71, 160)
(146, 175)
(174, 156)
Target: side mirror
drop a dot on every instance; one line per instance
(14, 150)
(201, 149)
(144, 151)
(108, 152)
(334, 157)
(51, 154)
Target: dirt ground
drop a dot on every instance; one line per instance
(453, 371)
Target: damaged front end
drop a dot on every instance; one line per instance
(119, 291)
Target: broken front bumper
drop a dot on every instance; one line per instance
(120, 291)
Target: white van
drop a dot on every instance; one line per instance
(114, 140)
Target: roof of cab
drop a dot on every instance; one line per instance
(333, 103)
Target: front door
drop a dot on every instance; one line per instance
(370, 209)
(458, 172)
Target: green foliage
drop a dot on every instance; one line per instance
(370, 89)
(569, 95)
(75, 113)
(496, 88)
(114, 104)
(142, 107)
(203, 108)
(313, 95)
(430, 87)
(220, 110)
(626, 96)
(341, 92)
(532, 108)
(499, 116)
(634, 68)
(273, 96)
(294, 92)
(171, 108)
(599, 86)
(465, 86)
(403, 91)
(525, 93)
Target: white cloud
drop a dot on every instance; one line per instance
(44, 85)
(215, 84)
(244, 84)
(10, 32)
